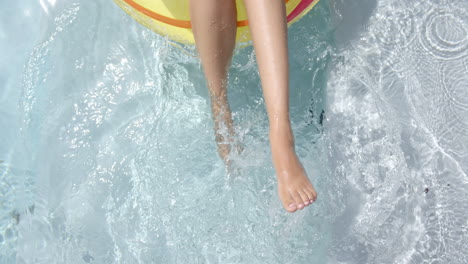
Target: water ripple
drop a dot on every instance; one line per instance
(444, 33)
(455, 85)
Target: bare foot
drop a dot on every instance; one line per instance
(294, 187)
(224, 140)
(224, 130)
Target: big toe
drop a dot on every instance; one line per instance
(290, 205)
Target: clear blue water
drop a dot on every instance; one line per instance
(107, 150)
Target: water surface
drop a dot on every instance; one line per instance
(108, 152)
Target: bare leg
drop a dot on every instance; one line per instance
(267, 21)
(214, 27)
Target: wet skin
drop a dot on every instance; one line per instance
(214, 27)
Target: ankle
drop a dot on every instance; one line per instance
(281, 136)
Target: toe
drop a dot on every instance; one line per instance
(291, 207)
(313, 193)
(305, 199)
(310, 195)
(289, 204)
(297, 198)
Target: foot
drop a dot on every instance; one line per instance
(225, 142)
(294, 187)
(224, 129)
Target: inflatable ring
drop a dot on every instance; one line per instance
(171, 18)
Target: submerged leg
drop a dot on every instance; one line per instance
(267, 21)
(214, 24)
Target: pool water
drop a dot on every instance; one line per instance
(107, 151)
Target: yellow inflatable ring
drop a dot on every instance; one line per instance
(172, 17)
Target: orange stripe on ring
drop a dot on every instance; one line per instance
(172, 21)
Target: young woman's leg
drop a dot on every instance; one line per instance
(267, 21)
(214, 27)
